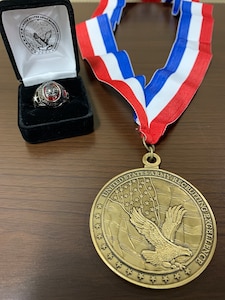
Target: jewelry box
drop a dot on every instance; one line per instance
(40, 38)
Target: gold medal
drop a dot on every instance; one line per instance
(152, 227)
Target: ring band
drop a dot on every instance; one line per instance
(50, 94)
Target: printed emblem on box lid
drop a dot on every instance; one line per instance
(40, 34)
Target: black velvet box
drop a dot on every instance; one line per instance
(40, 38)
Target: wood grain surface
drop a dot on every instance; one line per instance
(47, 190)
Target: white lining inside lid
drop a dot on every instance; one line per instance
(37, 65)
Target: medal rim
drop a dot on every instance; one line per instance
(136, 282)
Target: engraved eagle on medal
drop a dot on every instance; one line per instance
(165, 250)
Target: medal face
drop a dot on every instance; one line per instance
(153, 228)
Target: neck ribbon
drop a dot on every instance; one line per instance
(170, 90)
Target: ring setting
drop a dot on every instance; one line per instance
(50, 94)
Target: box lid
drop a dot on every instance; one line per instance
(40, 39)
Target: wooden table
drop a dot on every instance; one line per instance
(47, 190)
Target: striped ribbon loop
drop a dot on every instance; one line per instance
(113, 9)
(170, 90)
